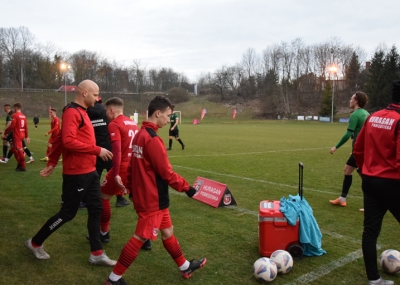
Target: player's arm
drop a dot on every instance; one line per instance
(6, 127)
(116, 161)
(28, 140)
(56, 151)
(159, 160)
(176, 122)
(56, 127)
(350, 130)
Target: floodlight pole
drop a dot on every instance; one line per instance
(65, 89)
(333, 94)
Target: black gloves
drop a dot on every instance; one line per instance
(190, 192)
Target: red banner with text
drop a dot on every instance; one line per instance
(213, 193)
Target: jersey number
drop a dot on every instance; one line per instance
(131, 134)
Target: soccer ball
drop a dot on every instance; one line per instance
(390, 261)
(283, 261)
(264, 269)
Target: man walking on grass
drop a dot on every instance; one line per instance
(77, 143)
(149, 176)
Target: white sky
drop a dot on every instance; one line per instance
(195, 37)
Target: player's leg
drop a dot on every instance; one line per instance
(92, 200)
(28, 152)
(48, 150)
(69, 207)
(171, 136)
(379, 195)
(178, 139)
(145, 228)
(349, 168)
(19, 155)
(5, 148)
(171, 244)
(6, 143)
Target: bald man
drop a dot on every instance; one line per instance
(77, 144)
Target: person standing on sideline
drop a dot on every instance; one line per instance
(55, 129)
(149, 176)
(174, 130)
(77, 143)
(377, 153)
(19, 127)
(98, 117)
(36, 121)
(357, 102)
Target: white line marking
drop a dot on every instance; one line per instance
(327, 268)
(249, 153)
(262, 181)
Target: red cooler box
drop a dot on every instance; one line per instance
(274, 232)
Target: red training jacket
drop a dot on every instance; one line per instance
(150, 172)
(76, 142)
(377, 148)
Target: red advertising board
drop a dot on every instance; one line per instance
(213, 193)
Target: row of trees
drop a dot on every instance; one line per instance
(287, 78)
(25, 63)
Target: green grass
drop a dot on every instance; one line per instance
(258, 160)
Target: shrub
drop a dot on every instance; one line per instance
(178, 95)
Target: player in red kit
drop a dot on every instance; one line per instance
(122, 130)
(19, 127)
(55, 129)
(149, 176)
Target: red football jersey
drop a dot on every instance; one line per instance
(55, 127)
(123, 129)
(19, 126)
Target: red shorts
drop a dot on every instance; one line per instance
(150, 223)
(108, 186)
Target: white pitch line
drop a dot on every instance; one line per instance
(262, 181)
(326, 269)
(249, 153)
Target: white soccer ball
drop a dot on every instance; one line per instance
(283, 261)
(265, 270)
(390, 261)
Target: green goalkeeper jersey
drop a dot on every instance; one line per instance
(356, 122)
(173, 118)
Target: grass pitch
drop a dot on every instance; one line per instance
(258, 160)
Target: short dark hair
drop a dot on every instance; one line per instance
(7, 105)
(115, 101)
(11, 112)
(18, 105)
(52, 109)
(159, 103)
(361, 98)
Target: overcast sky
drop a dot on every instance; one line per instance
(195, 37)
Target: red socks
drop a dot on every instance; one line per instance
(172, 246)
(127, 256)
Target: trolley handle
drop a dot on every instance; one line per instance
(301, 168)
